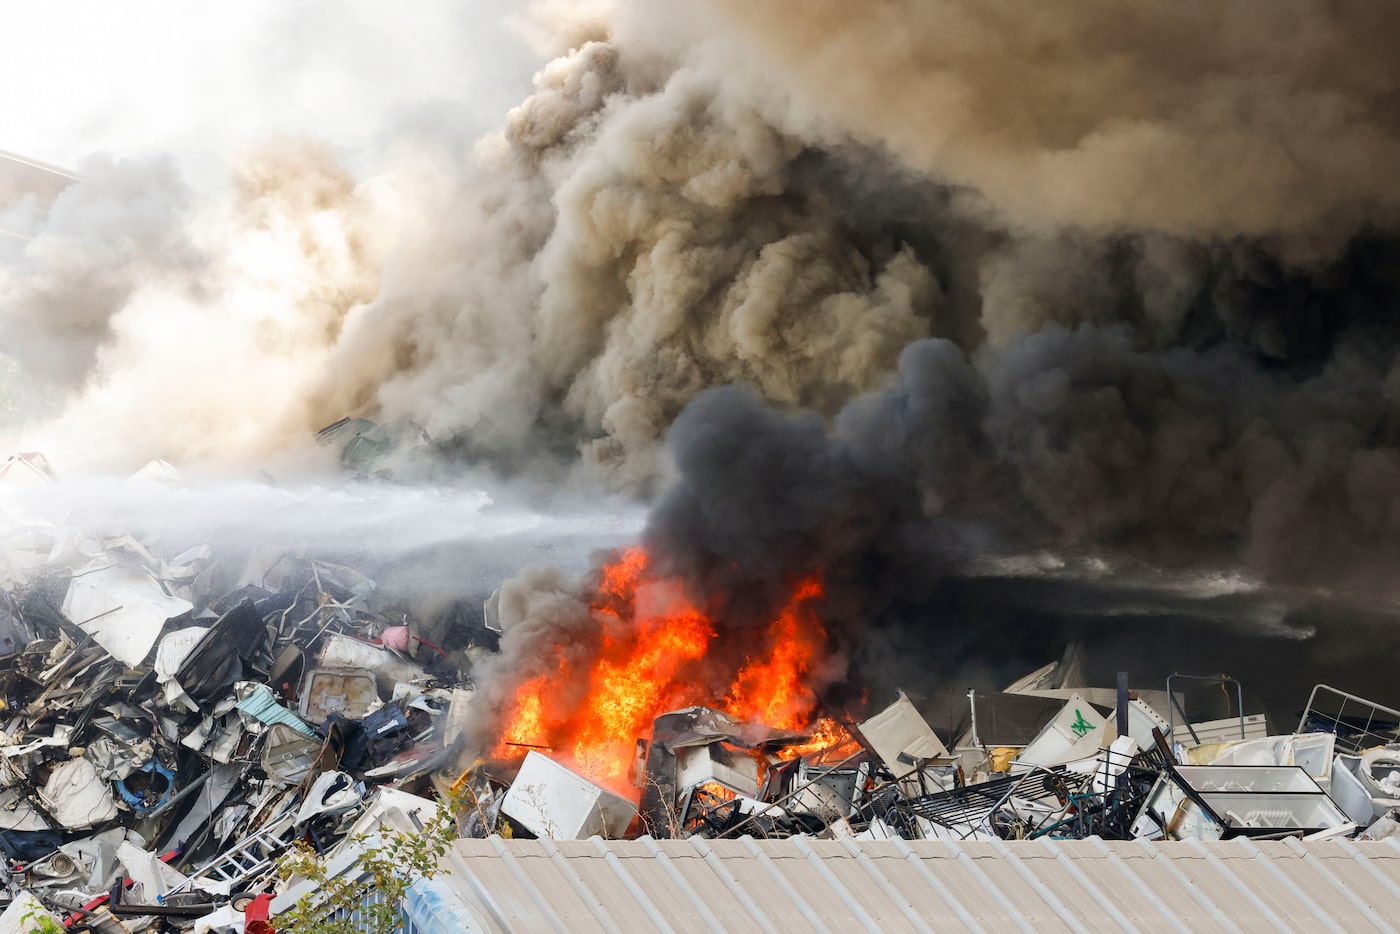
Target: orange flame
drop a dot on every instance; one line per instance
(652, 636)
(772, 689)
(527, 719)
(635, 680)
(831, 743)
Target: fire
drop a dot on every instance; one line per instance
(649, 632)
(653, 638)
(830, 744)
(635, 680)
(773, 689)
(527, 720)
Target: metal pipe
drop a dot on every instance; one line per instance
(181, 795)
(1122, 703)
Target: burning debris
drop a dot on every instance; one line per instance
(655, 649)
(717, 729)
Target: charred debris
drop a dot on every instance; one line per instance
(170, 724)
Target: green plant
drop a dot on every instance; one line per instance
(38, 921)
(366, 896)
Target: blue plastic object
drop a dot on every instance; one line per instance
(148, 799)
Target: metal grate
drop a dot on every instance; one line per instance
(1357, 722)
(974, 804)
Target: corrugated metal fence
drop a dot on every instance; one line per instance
(888, 886)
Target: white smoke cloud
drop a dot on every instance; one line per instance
(202, 80)
(181, 297)
(174, 328)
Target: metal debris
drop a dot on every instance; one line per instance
(173, 718)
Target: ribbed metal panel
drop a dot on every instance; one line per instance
(735, 886)
(20, 176)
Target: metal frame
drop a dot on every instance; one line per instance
(1230, 827)
(1175, 705)
(974, 805)
(1338, 721)
(703, 816)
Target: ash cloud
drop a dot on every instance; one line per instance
(1194, 118)
(904, 285)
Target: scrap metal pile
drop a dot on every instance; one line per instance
(1033, 762)
(172, 721)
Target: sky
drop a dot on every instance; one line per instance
(200, 79)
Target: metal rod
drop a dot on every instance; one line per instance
(91, 619)
(1212, 679)
(1122, 703)
(1184, 719)
(182, 794)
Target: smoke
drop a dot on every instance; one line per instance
(1194, 498)
(630, 245)
(1199, 119)
(162, 331)
(205, 83)
(631, 236)
(887, 291)
(98, 245)
(665, 214)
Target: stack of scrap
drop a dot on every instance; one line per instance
(171, 721)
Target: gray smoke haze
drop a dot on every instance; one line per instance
(99, 244)
(889, 289)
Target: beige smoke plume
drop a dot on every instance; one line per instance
(1196, 117)
(632, 239)
(634, 234)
